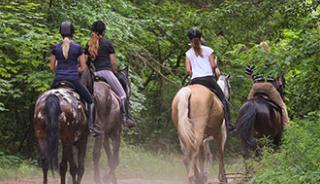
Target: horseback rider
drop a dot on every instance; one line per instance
(260, 85)
(202, 67)
(65, 59)
(102, 54)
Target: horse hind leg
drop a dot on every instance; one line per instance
(82, 148)
(244, 149)
(64, 163)
(44, 160)
(185, 155)
(96, 157)
(207, 157)
(220, 140)
(201, 175)
(73, 166)
(112, 155)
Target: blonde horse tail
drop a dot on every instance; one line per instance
(185, 130)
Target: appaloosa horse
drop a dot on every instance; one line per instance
(259, 117)
(198, 115)
(109, 124)
(59, 113)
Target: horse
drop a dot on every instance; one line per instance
(260, 117)
(109, 121)
(60, 114)
(198, 116)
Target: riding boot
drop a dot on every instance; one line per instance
(127, 120)
(91, 118)
(227, 115)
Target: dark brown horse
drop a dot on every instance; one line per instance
(259, 117)
(60, 114)
(109, 122)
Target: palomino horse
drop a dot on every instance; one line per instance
(108, 121)
(259, 117)
(198, 115)
(59, 113)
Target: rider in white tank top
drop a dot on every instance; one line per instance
(200, 65)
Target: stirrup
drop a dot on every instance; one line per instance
(126, 121)
(93, 132)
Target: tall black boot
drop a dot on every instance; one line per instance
(227, 115)
(91, 118)
(127, 120)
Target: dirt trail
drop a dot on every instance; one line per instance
(123, 181)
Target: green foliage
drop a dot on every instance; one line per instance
(150, 37)
(298, 159)
(12, 166)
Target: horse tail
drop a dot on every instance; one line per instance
(52, 109)
(245, 122)
(185, 130)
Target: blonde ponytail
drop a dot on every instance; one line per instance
(94, 45)
(65, 47)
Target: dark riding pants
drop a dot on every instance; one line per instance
(212, 85)
(80, 89)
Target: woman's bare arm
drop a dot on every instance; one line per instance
(188, 66)
(113, 62)
(53, 63)
(214, 65)
(83, 65)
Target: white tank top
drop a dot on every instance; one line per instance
(200, 66)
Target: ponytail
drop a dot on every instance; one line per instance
(196, 45)
(65, 47)
(94, 45)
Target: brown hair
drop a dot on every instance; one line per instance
(94, 45)
(196, 45)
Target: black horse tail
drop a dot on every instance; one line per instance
(245, 123)
(53, 110)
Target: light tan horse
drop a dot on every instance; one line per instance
(198, 115)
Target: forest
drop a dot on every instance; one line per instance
(279, 37)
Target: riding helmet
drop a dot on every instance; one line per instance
(98, 27)
(258, 78)
(249, 69)
(270, 79)
(194, 33)
(66, 29)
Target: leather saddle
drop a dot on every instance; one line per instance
(63, 84)
(265, 97)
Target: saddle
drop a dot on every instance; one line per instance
(265, 97)
(101, 79)
(63, 84)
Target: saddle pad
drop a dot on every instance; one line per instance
(66, 96)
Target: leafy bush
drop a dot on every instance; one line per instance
(298, 160)
(13, 166)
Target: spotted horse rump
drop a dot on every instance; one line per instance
(72, 111)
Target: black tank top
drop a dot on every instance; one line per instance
(102, 61)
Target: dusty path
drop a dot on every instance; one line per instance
(123, 181)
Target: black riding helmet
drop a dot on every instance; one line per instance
(66, 29)
(258, 78)
(249, 69)
(99, 27)
(194, 33)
